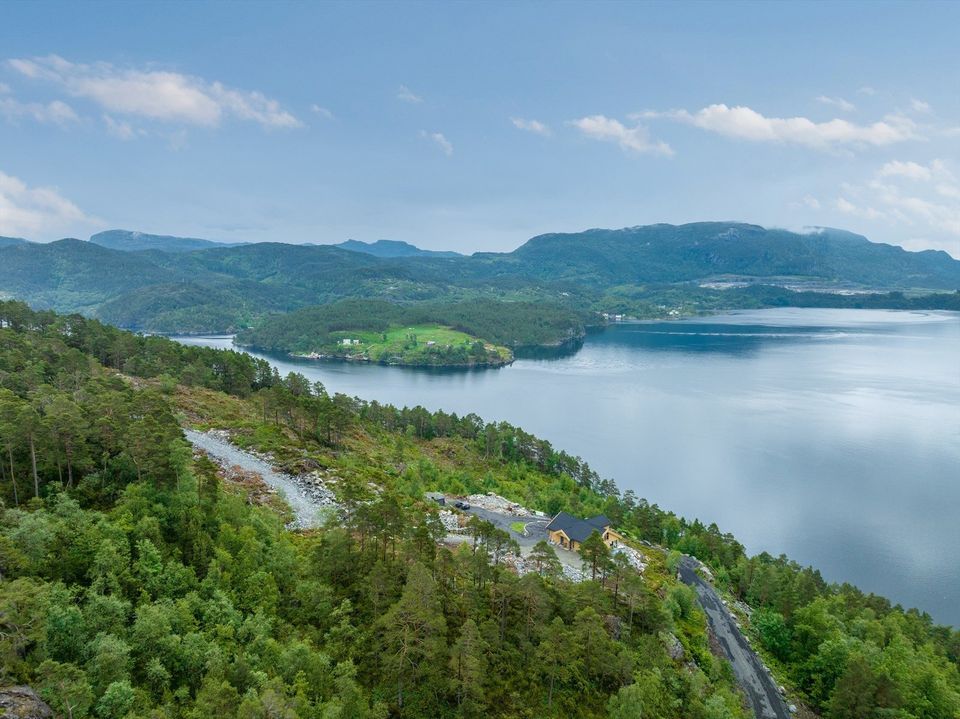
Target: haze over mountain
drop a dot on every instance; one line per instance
(392, 248)
(131, 241)
(220, 288)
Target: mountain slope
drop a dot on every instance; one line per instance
(131, 241)
(679, 253)
(392, 248)
(220, 287)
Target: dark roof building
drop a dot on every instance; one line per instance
(578, 530)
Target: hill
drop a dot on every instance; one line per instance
(639, 270)
(392, 248)
(706, 250)
(486, 328)
(7, 241)
(132, 241)
(141, 578)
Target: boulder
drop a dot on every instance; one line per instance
(23, 703)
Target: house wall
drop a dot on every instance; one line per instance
(610, 536)
(558, 536)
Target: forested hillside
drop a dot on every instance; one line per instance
(178, 285)
(135, 581)
(516, 325)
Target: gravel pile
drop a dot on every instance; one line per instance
(450, 520)
(635, 557)
(496, 503)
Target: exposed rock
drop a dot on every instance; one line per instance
(23, 703)
(674, 647)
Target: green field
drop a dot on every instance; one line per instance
(422, 345)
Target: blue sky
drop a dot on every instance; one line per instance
(475, 126)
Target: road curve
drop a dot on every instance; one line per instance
(751, 675)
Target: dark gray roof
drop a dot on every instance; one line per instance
(578, 529)
(601, 521)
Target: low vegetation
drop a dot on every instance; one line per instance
(418, 346)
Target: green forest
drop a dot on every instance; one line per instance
(136, 581)
(513, 325)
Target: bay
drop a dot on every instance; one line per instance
(832, 436)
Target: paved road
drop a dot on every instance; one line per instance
(759, 687)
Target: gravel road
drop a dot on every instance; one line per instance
(752, 676)
(303, 499)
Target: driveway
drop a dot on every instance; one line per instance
(751, 675)
(535, 530)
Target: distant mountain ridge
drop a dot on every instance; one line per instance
(392, 249)
(217, 287)
(701, 250)
(133, 241)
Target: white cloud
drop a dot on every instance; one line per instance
(812, 202)
(405, 94)
(867, 90)
(634, 139)
(440, 140)
(321, 111)
(745, 123)
(920, 106)
(534, 126)
(33, 211)
(910, 170)
(119, 129)
(156, 94)
(53, 113)
(837, 102)
(847, 207)
(925, 198)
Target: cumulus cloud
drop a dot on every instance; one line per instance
(52, 113)
(633, 139)
(321, 111)
(405, 94)
(744, 123)
(37, 211)
(925, 198)
(920, 106)
(867, 90)
(534, 126)
(440, 141)
(156, 94)
(837, 102)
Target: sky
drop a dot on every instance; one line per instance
(475, 126)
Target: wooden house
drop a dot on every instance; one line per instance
(570, 532)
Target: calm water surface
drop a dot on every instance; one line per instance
(832, 436)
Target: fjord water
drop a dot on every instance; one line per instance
(832, 436)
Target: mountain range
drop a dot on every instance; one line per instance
(160, 283)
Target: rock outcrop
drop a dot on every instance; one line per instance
(23, 703)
